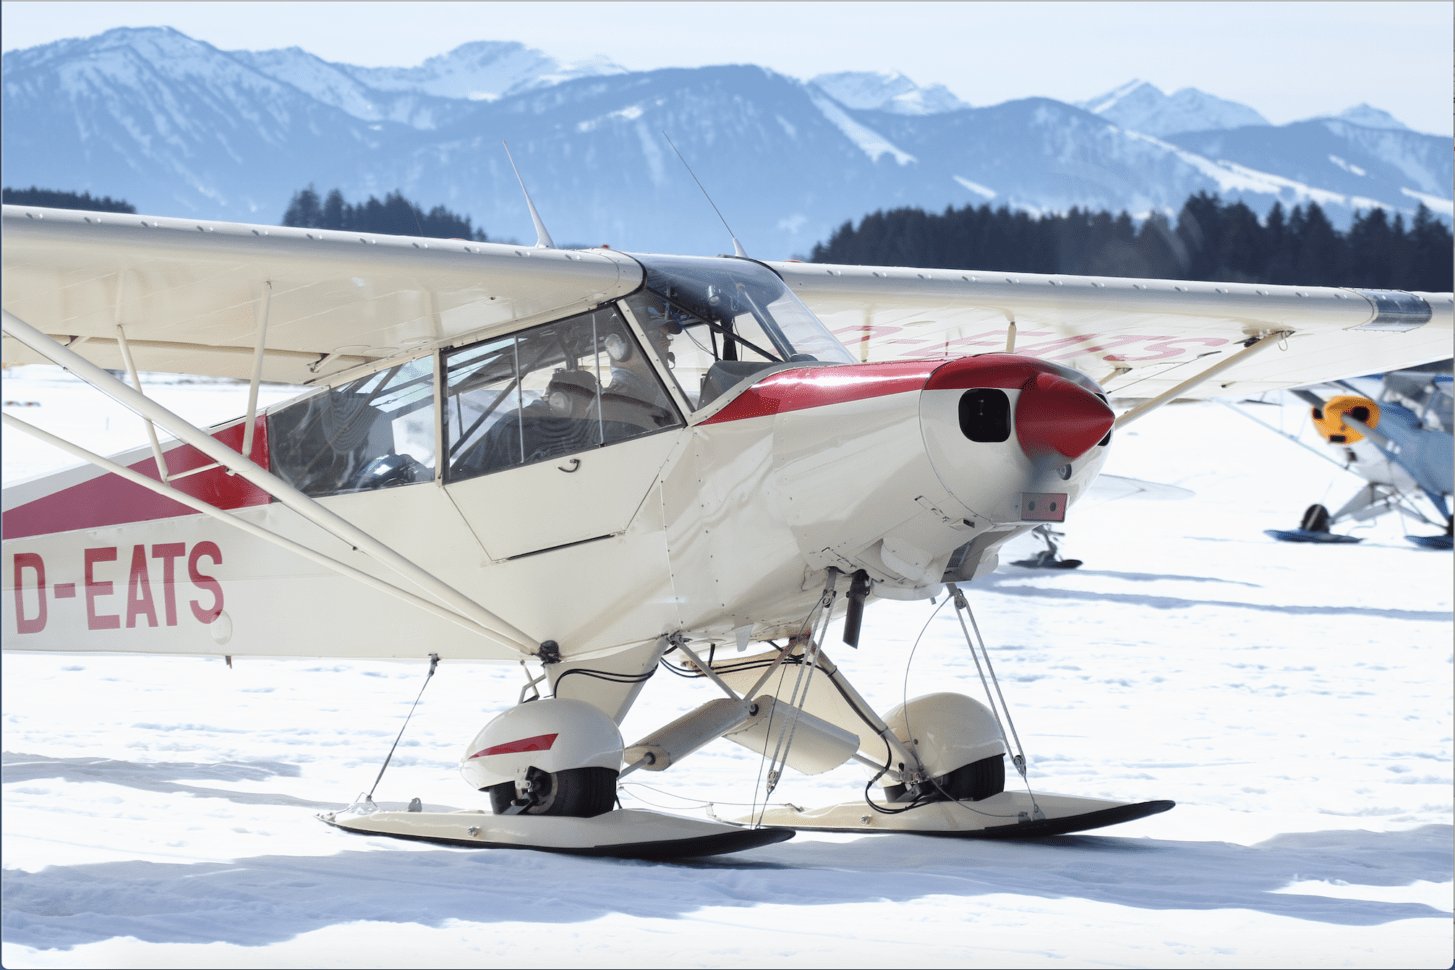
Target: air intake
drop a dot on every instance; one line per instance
(985, 414)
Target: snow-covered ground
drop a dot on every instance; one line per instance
(1295, 701)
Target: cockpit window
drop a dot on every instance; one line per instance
(375, 432)
(549, 391)
(717, 321)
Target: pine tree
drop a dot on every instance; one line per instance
(56, 199)
(303, 211)
(395, 215)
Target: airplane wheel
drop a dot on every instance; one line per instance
(977, 780)
(1315, 519)
(573, 792)
(967, 783)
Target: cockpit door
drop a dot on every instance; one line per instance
(574, 498)
(554, 435)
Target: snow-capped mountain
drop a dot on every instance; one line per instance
(1371, 117)
(428, 95)
(176, 126)
(1140, 106)
(482, 71)
(336, 85)
(886, 91)
(172, 122)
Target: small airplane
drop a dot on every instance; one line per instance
(593, 463)
(1400, 444)
(1106, 487)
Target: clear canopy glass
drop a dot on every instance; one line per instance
(720, 320)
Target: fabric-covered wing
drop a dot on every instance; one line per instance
(190, 295)
(1138, 338)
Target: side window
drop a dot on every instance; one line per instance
(705, 358)
(375, 432)
(563, 388)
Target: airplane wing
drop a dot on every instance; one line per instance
(1138, 338)
(190, 294)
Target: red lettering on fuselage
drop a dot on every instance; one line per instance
(201, 581)
(139, 590)
(23, 623)
(97, 588)
(169, 553)
(99, 581)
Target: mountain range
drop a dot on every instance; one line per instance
(179, 127)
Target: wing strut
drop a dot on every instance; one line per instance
(136, 382)
(284, 493)
(1254, 345)
(252, 528)
(265, 302)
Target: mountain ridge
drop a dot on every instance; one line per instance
(177, 126)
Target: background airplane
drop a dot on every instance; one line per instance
(1394, 431)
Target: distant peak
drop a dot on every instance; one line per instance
(1369, 116)
(886, 91)
(1101, 103)
(1144, 107)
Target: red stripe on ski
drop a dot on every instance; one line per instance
(541, 742)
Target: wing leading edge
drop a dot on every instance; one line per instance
(190, 294)
(1139, 338)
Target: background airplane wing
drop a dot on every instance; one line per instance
(1137, 337)
(190, 295)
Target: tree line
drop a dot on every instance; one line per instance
(394, 215)
(52, 199)
(1211, 240)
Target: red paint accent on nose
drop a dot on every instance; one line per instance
(1054, 414)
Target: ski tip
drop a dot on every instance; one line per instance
(1306, 535)
(1432, 542)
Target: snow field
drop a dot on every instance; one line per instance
(1295, 701)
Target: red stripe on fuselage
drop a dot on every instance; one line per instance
(816, 387)
(111, 500)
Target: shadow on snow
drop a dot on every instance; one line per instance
(997, 583)
(267, 899)
(158, 776)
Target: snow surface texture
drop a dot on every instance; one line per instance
(1294, 700)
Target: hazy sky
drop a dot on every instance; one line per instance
(1287, 60)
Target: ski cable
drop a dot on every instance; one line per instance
(923, 796)
(434, 661)
(962, 605)
(810, 622)
(795, 701)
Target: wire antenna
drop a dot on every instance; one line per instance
(737, 246)
(543, 237)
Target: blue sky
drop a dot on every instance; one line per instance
(1287, 60)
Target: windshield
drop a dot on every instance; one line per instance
(718, 321)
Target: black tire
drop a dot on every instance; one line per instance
(1315, 519)
(967, 783)
(574, 792)
(977, 780)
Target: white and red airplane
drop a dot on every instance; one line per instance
(589, 460)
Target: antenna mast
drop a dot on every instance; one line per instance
(543, 238)
(737, 246)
